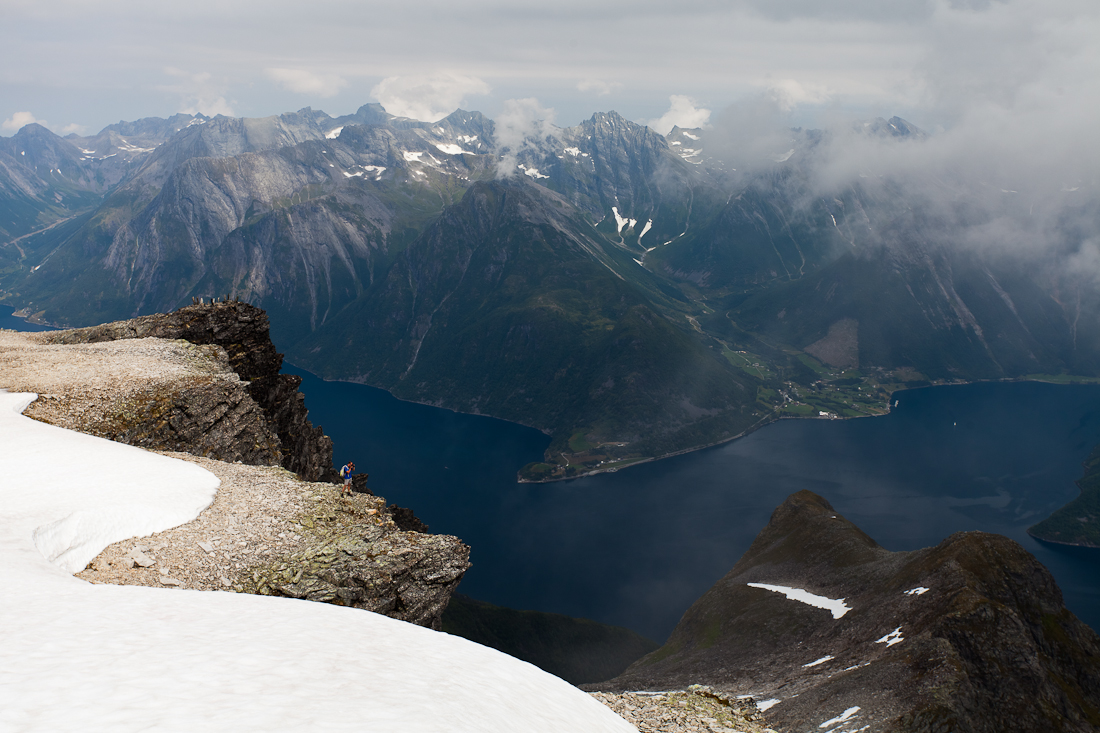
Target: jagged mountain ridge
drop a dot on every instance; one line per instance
(306, 215)
(969, 635)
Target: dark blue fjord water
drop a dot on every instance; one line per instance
(637, 547)
(7, 320)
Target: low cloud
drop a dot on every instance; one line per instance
(599, 86)
(426, 98)
(789, 93)
(18, 121)
(199, 93)
(306, 82)
(521, 126)
(682, 112)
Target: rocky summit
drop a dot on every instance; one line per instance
(830, 631)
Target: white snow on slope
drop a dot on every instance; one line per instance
(646, 228)
(88, 657)
(410, 156)
(452, 149)
(333, 134)
(785, 156)
(688, 134)
(918, 591)
(836, 606)
(894, 637)
(620, 221)
(532, 172)
(816, 662)
(573, 151)
(766, 704)
(843, 717)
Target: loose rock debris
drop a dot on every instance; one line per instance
(698, 709)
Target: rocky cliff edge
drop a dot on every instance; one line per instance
(839, 634)
(269, 531)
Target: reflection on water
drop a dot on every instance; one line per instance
(637, 547)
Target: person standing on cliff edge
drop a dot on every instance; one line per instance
(345, 473)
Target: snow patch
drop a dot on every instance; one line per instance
(532, 172)
(763, 705)
(575, 152)
(622, 221)
(452, 149)
(918, 591)
(816, 662)
(411, 157)
(785, 156)
(836, 606)
(843, 717)
(689, 135)
(894, 637)
(646, 228)
(333, 134)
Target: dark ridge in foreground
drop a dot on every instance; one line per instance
(970, 635)
(244, 332)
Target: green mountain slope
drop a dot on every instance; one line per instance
(509, 305)
(1078, 522)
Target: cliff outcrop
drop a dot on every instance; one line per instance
(242, 330)
(836, 632)
(268, 530)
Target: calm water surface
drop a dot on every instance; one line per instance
(637, 547)
(7, 320)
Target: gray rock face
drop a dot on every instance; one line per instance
(223, 423)
(971, 635)
(216, 420)
(361, 559)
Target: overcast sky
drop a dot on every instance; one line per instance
(77, 65)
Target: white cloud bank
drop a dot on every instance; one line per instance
(306, 82)
(426, 98)
(78, 656)
(18, 121)
(599, 86)
(198, 93)
(682, 112)
(521, 125)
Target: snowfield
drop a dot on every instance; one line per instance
(77, 656)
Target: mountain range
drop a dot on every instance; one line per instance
(629, 293)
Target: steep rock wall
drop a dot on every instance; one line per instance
(242, 331)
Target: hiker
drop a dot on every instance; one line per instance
(345, 472)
